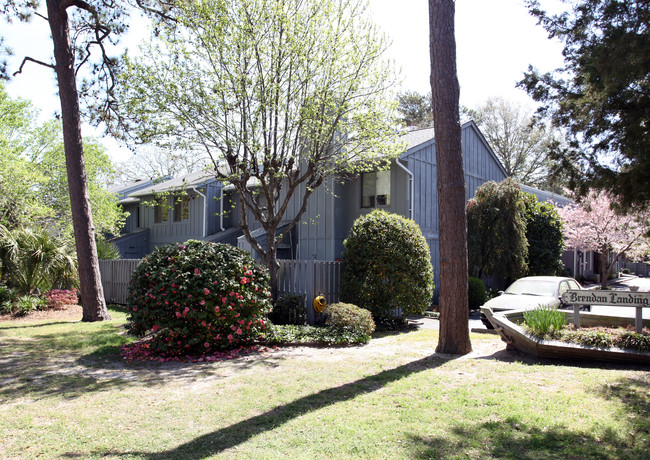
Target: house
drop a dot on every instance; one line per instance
(198, 206)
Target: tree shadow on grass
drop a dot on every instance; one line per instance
(221, 440)
(516, 439)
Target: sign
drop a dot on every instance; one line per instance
(612, 298)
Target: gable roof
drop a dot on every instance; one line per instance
(195, 179)
(425, 136)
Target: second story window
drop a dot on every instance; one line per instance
(375, 189)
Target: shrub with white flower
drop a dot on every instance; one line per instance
(198, 297)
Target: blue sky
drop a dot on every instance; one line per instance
(496, 40)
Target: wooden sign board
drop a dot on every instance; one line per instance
(638, 300)
(610, 298)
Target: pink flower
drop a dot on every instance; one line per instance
(155, 327)
(241, 321)
(232, 293)
(216, 309)
(229, 337)
(197, 271)
(244, 280)
(206, 345)
(202, 302)
(206, 291)
(238, 331)
(178, 315)
(186, 310)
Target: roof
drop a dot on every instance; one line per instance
(417, 137)
(195, 179)
(544, 195)
(125, 188)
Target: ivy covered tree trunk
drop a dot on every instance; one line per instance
(454, 311)
(92, 294)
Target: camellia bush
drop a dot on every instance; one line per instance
(386, 266)
(198, 297)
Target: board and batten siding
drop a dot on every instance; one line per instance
(170, 231)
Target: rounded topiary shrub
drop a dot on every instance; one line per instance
(198, 297)
(476, 293)
(349, 318)
(387, 265)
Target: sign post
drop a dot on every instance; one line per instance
(639, 300)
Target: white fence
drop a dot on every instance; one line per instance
(309, 277)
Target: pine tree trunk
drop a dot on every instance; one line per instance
(92, 294)
(454, 311)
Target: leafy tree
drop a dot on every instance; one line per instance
(415, 109)
(601, 96)
(454, 313)
(387, 266)
(544, 236)
(19, 205)
(281, 94)
(94, 26)
(521, 143)
(35, 184)
(496, 228)
(594, 225)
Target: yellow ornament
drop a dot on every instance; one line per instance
(319, 304)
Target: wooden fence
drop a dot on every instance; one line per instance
(116, 276)
(309, 277)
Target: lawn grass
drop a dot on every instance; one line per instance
(65, 393)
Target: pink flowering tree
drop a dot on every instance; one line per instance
(594, 225)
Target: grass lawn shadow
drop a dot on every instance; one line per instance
(230, 437)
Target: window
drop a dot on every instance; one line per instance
(375, 189)
(181, 208)
(161, 213)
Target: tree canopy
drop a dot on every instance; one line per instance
(601, 96)
(33, 177)
(415, 109)
(521, 142)
(496, 229)
(281, 94)
(593, 224)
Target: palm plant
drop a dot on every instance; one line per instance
(35, 260)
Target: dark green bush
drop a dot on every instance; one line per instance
(589, 338)
(6, 295)
(633, 340)
(350, 318)
(625, 271)
(387, 265)
(476, 293)
(289, 309)
(198, 297)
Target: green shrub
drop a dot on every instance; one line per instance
(589, 338)
(107, 250)
(313, 335)
(625, 271)
(289, 309)
(387, 265)
(198, 297)
(350, 318)
(544, 319)
(26, 304)
(476, 293)
(6, 295)
(633, 340)
(35, 260)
